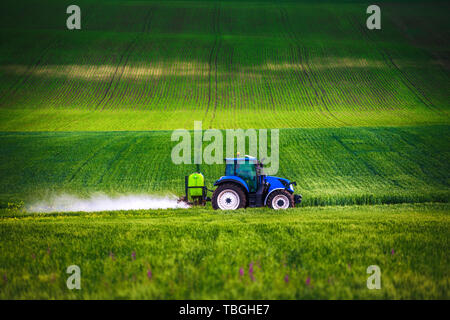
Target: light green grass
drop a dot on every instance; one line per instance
(22, 120)
(197, 254)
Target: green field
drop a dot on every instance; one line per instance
(161, 65)
(357, 166)
(364, 131)
(198, 254)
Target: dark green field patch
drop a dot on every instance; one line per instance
(341, 166)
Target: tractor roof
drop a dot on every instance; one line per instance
(242, 158)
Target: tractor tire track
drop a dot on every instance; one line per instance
(39, 62)
(415, 90)
(125, 56)
(92, 156)
(369, 166)
(118, 74)
(147, 22)
(308, 72)
(29, 72)
(117, 157)
(69, 95)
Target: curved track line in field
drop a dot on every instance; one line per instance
(147, 22)
(297, 77)
(308, 72)
(296, 57)
(213, 55)
(101, 60)
(101, 86)
(416, 142)
(296, 51)
(415, 89)
(92, 156)
(32, 68)
(125, 56)
(369, 167)
(116, 158)
(72, 88)
(384, 86)
(418, 91)
(70, 92)
(437, 40)
(28, 73)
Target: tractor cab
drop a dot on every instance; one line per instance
(247, 168)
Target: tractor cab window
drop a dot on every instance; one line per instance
(229, 169)
(244, 169)
(247, 171)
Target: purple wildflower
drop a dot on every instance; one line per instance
(286, 278)
(33, 256)
(392, 252)
(111, 255)
(250, 268)
(241, 272)
(149, 274)
(133, 255)
(252, 277)
(48, 251)
(308, 281)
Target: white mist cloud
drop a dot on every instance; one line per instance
(101, 202)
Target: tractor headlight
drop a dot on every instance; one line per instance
(291, 186)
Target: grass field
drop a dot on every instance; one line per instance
(161, 65)
(196, 254)
(364, 131)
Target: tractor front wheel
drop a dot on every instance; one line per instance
(228, 196)
(280, 199)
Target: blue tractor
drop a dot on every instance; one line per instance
(244, 185)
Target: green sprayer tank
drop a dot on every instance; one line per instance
(196, 182)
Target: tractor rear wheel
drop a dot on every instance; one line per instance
(280, 200)
(228, 196)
